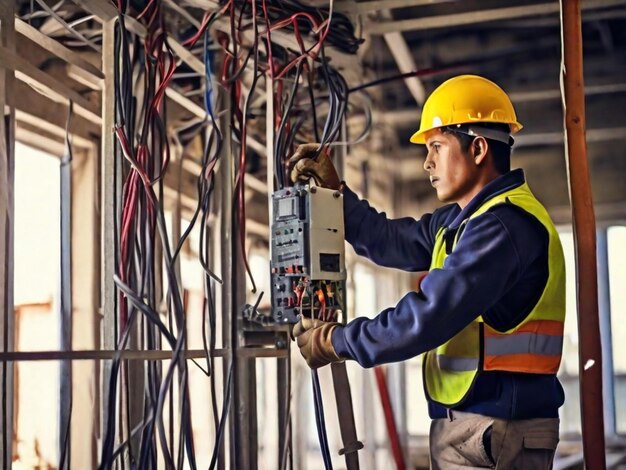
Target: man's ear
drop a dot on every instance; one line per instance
(479, 150)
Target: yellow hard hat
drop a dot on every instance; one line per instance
(466, 99)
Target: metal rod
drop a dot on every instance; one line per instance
(65, 307)
(590, 351)
(604, 304)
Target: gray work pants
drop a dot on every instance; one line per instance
(468, 440)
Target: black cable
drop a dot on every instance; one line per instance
(320, 421)
(401, 76)
(279, 149)
(225, 408)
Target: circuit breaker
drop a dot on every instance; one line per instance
(308, 256)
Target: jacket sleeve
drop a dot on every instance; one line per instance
(483, 266)
(403, 243)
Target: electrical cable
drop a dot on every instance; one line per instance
(146, 156)
(319, 420)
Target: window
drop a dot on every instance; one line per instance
(36, 271)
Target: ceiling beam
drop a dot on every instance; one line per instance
(411, 116)
(479, 16)
(407, 161)
(350, 6)
(556, 138)
(405, 61)
(540, 95)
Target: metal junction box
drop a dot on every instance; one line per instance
(308, 255)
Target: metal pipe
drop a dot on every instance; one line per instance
(604, 304)
(590, 352)
(65, 307)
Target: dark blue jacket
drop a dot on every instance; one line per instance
(498, 269)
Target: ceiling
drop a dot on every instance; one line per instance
(517, 44)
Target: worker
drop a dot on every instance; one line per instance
(489, 314)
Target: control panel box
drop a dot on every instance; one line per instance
(308, 255)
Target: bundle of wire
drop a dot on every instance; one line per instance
(143, 154)
(294, 104)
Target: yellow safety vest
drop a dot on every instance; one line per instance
(534, 346)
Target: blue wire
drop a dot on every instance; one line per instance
(208, 84)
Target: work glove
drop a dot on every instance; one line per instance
(304, 166)
(314, 340)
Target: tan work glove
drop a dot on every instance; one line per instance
(321, 169)
(314, 340)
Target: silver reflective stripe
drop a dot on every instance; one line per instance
(457, 364)
(523, 343)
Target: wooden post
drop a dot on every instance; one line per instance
(590, 351)
(7, 167)
(109, 180)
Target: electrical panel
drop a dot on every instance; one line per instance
(308, 256)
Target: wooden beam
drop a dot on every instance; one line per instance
(48, 85)
(38, 139)
(107, 11)
(185, 102)
(51, 116)
(26, 120)
(56, 48)
(109, 200)
(7, 218)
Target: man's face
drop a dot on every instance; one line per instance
(453, 173)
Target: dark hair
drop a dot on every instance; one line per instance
(500, 151)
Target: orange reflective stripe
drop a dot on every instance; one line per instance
(535, 347)
(528, 363)
(542, 327)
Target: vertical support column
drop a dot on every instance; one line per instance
(108, 211)
(7, 167)
(283, 365)
(604, 304)
(590, 352)
(85, 318)
(244, 437)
